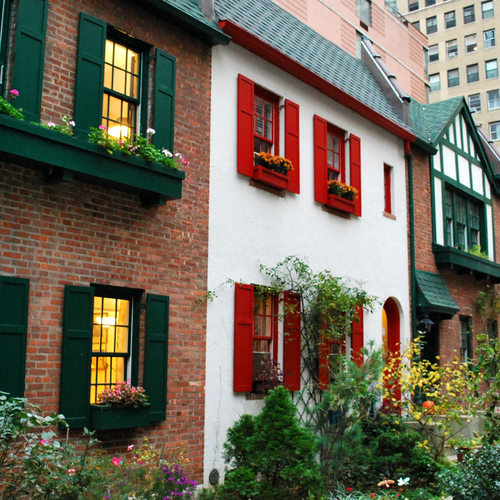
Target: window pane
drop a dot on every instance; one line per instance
(475, 103)
(412, 5)
(453, 78)
(431, 24)
(433, 53)
(451, 49)
(435, 82)
(470, 43)
(495, 131)
(493, 99)
(450, 20)
(489, 39)
(472, 73)
(487, 9)
(449, 218)
(491, 69)
(428, 3)
(469, 14)
(364, 10)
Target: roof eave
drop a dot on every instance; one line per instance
(257, 46)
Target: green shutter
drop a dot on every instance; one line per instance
(89, 86)
(14, 297)
(156, 355)
(29, 54)
(4, 36)
(76, 355)
(164, 100)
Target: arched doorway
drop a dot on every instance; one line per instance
(391, 339)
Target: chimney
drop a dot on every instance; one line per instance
(208, 9)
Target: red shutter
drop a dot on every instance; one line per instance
(320, 160)
(243, 338)
(291, 343)
(387, 189)
(355, 147)
(245, 126)
(324, 365)
(292, 144)
(357, 338)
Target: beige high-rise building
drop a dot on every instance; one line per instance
(463, 53)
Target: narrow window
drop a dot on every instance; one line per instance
(265, 345)
(489, 39)
(435, 82)
(493, 99)
(469, 14)
(451, 49)
(388, 189)
(475, 103)
(364, 11)
(494, 131)
(470, 44)
(431, 24)
(266, 122)
(4, 24)
(473, 73)
(487, 9)
(450, 20)
(335, 154)
(491, 69)
(453, 78)
(465, 339)
(433, 53)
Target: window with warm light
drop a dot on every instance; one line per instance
(470, 44)
(121, 97)
(451, 48)
(111, 330)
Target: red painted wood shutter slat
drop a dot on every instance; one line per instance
(355, 147)
(292, 144)
(320, 160)
(243, 338)
(245, 126)
(292, 343)
(357, 338)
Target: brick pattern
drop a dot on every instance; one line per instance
(464, 288)
(80, 234)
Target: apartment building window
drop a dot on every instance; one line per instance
(491, 69)
(470, 44)
(451, 49)
(450, 20)
(435, 82)
(493, 99)
(416, 24)
(487, 9)
(489, 39)
(412, 5)
(453, 78)
(469, 14)
(473, 73)
(432, 25)
(433, 53)
(475, 103)
(494, 131)
(429, 3)
(364, 11)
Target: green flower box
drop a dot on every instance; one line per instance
(104, 417)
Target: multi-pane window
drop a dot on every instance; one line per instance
(266, 125)
(487, 9)
(470, 44)
(453, 78)
(435, 82)
(451, 49)
(412, 5)
(489, 39)
(492, 68)
(364, 11)
(475, 103)
(265, 329)
(450, 20)
(429, 3)
(335, 161)
(493, 99)
(494, 131)
(433, 53)
(473, 73)
(416, 24)
(463, 221)
(121, 90)
(469, 14)
(111, 332)
(432, 25)
(465, 339)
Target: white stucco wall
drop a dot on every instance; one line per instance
(249, 226)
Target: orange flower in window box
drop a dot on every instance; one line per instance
(341, 196)
(272, 170)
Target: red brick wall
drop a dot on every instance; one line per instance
(464, 288)
(75, 233)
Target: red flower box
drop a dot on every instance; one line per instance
(341, 204)
(270, 177)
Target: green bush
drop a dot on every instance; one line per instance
(476, 477)
(271, 456)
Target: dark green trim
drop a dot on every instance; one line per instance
(106, 417)
(53, 153)
(414, 324)
(462, 187)
(452, 258)
(461, 152)
(433, 296)
(4, 38)
(425, 146)
(210, 33)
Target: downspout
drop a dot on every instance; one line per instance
(413, 283)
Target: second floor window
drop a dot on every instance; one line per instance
(450, 20)
(489, 39)
(469, 14)
(412, 5)
(464, 218)
(121, 90)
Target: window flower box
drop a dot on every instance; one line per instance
(104, 417)
(341, 204)
(272, 170)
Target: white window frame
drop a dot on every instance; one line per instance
(493, 103)
(474, 108)
(468, 45)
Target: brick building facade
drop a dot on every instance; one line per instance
(76, 220)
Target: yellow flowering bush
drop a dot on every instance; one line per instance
(343, 190)
(440, 399)
(275, 162)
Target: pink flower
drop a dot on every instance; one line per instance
(51, 124)
(151, 131)
(44, 442)
(103, 127)
(130, 448)
(70, 471)
(116, 461)
(71, 123)
(14, 93)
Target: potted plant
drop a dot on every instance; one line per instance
(272, 170)
(463, 446)
(120, 407)
(268, 375)
(341, 196)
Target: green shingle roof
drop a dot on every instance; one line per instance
(428, 120)
(284, 32)
(433, 295)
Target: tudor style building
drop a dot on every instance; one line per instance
(103, 256)
(293, 93)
